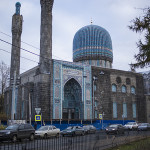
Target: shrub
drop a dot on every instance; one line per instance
(2, 127)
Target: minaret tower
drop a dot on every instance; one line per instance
(46, 35)
(16, 42)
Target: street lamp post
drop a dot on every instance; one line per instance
(123, 118)
(29, 102)
(14, 82)
(94, 79)
(102, 119)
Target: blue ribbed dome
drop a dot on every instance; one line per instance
(92, 42)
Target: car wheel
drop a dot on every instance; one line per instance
(57, 135)
(14, 138)
(73, 134)
(45, 136)
(82, 133)
(31, 137)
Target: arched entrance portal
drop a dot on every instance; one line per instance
(72, 104)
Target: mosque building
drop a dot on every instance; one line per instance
(78, 90)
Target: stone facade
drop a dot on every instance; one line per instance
(132, 103)
(72, 90)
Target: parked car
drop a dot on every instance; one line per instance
(17, 131)
(89, 129)
(131, 126)
(73, 130)
(115, 129)
(47, 131)
(143, 127)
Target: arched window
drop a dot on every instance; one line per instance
(132, 89)
(114, 88)
(124, 89)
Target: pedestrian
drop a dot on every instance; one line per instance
(35, 125)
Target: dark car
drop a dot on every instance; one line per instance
(73, 130)
(89, 129)
(17, 131)
(115, 129)
(143, 127)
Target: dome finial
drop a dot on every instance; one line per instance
(18, 5)
(91, 21)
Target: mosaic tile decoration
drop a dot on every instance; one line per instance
(92, 42)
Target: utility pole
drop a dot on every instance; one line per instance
(13, 96)
(94, 79)
(29, 108)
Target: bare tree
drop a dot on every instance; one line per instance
(4, 76)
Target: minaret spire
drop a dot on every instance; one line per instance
(16, 41)
(46, 35)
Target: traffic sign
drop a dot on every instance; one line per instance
(38, 110)
(37, 117)
(100, 116)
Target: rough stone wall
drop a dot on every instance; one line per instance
(16, 44)
(146, 79)
(102, 93)
(46, 35)
(141, 102)
(121, 97)
(105, 97)
(43, 94)
(148, 107)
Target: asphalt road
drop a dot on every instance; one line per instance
(96, 141)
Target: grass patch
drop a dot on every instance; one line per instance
(143, 144)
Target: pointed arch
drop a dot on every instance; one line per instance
(72, 102)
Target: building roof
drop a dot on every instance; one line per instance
(92, 42)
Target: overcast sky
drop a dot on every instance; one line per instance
(68, 17)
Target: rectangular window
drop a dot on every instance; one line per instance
(124, 110)
(22, 115)
(134, 110)
(95, 113)
(95, 103)
(94, 87)
(114, 110)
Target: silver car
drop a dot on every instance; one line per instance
(131, 126)
(73, 130)
(47, 131)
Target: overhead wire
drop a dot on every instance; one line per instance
(20, 56)
(37, 54)
(29, 44)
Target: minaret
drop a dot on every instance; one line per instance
(16, 42)
(46, 35)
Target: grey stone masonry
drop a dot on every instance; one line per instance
(46, 35)
(105, 97)
(16, 44)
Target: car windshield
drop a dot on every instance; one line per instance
(12, 127)
(113, 126)
(130, 123)
(85, 127)
(143, 124)
(69, 128)
(43, 128)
